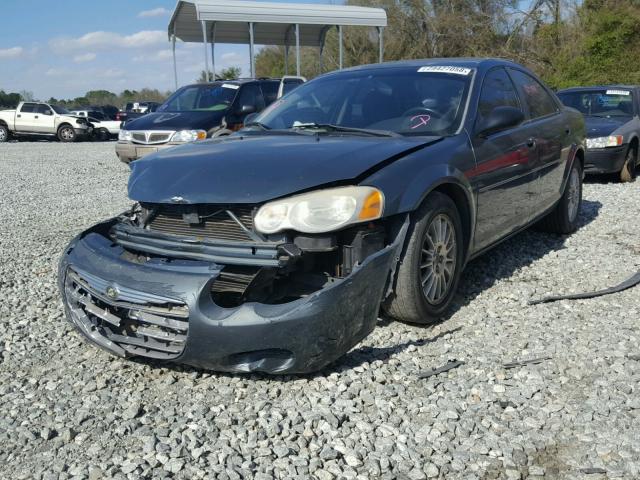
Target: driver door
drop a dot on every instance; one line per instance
(503, 177)
(44, 119)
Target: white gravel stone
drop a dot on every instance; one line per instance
(69, 407)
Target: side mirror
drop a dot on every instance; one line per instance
(246, 110)
(499, 119)
(48, 112)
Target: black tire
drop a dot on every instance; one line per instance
(563, 218)
(409, 302)
(103, 134)
(628, 172)
(66, 134)
(4, 134)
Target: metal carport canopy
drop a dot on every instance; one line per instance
(267, 23)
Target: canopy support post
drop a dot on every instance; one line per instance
(340, 49)
(175, 68)
(381, 46)
(297, 49)
(213, 50)
(286, 59)
(251, 59)
(206, 53)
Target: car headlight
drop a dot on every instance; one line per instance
(321, 211)
(604, 142)
(189, 136)
(124, 135)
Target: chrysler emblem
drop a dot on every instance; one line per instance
(112, 292)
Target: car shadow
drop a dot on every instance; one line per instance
(480, 274)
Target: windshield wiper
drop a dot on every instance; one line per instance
(260, 125)
(338, 128)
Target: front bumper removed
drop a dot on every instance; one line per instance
(605, 160)
(164, 309)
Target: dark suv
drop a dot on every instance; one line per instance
(199, 111)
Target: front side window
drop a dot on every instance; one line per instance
(270, 91)
(405, 100)
(497, 91)
(534, 95)
(201, 98)
(43, 109)
(59, 110)
(601, 102)
(251, 95)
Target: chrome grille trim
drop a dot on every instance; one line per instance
(151, 137)
(156, 329)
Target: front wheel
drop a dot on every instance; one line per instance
(4, 133)
(628, 172)
(430, 266)
(66, 133)
(564, 217)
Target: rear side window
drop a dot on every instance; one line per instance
(497, 91)
(290, 85)
(28, 108)
(270, 91)
(534, 95)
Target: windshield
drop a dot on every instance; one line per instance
(600, 103)
(404, 100)
(201, 98)
(59, 110)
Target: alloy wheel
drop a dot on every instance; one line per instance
(438, 259)
(3, 134)
(67, 133)
(573, 195)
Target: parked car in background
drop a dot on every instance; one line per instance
(103, 127)
(272, 249)
(200, 111)
(613, 127)
(37, 118)
(133, 110)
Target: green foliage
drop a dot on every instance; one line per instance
(230, 73)
(591, 41)
(9, 100)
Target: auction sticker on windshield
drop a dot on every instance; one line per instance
(445, 69)
(230, 85)
(618, 92)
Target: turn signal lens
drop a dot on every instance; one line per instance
(372, 206)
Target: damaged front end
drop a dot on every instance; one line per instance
(197, 284)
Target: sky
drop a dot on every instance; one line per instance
(63, 49)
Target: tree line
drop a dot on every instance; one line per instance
(92, 97)
(565, 42)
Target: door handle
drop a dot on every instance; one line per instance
(36, 116)
(19, 116)
(531, 143)
(567, 130)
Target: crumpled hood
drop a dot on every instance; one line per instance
(258, 168)
(176, 121)
(601, 126)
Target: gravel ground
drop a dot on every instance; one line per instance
(70, 410)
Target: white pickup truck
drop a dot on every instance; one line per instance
(35, 118)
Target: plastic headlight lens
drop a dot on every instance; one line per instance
(189, 136)
(321, 211)
(124, 135)
(604, 142)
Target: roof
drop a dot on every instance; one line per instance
(597, 87)
(467, 62)
(273, 22)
